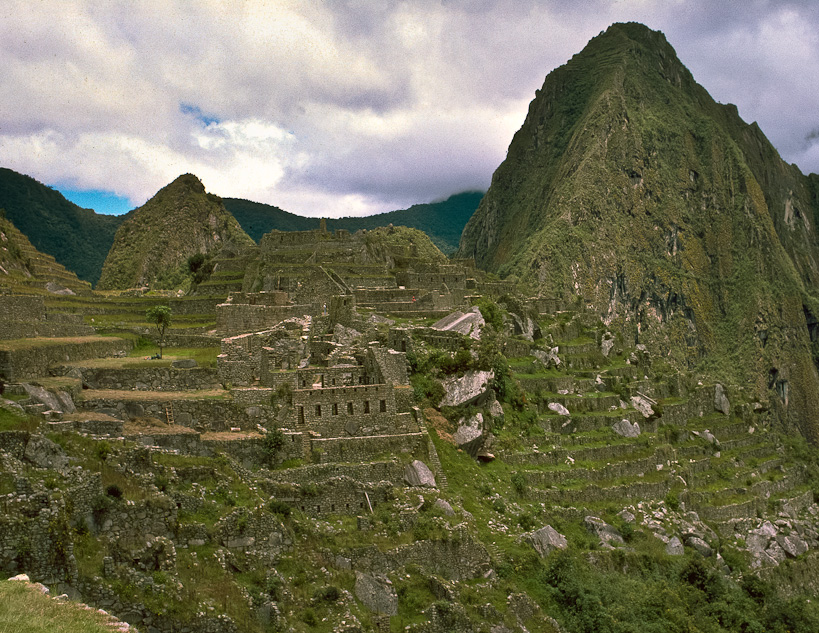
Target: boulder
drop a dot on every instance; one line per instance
(545, 540)
(133, 410)
(443, 506)
(721, 400)
(467, 388)
(184, 363)
(43, 396)
(674, 547)
(376, 593)
(703, 548)
(626, 428)
(66, 402)
(419, 475)
(793, 545)
(607, 534)
(469, 436)
(558, 408)
(642, 405)
(44, 453)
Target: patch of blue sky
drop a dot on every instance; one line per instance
(104, 202)
(196, 113)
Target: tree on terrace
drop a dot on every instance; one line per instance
(160, 316)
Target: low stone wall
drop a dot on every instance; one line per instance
(131, 525)
(151, 378)
(593, 493)
(32, 361)
(202, 415)
(392, 471)
(233, 319)
(337, 495)
(197, 305)
(352, 449)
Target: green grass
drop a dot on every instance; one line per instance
(11, 421)
(25, 610)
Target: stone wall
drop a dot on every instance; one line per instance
(361, 449)
(151, 378)
(372, 472)
(233, 319)
(199, 414)
(35, 359)
(335, 411)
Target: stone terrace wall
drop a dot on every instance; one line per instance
(35, 360)
(336, 411)
(151, 378)
(233, 319)
(362, 449)
(392, 471)
(202, 415)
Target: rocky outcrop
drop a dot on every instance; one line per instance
(418, 474)
(376, 593)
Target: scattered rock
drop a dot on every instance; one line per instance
(626, 428)
(793, 545)
(545, 540)
(418, 474)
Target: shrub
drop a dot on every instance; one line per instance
(499, 506)
(328, 593)
(672, 500)
(519, 483)
(279, 507)
(527, 521)
(102, 450)
(271, 445)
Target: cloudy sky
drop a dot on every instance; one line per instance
(347, 107)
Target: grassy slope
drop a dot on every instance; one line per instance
(23, 609)
(78, 238)
(442, 221)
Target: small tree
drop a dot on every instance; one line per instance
(160, 316)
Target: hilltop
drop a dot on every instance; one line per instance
(629, 189)
(155, 242)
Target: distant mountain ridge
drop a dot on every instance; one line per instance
(77, 238)
(442, 221)
(80, 239)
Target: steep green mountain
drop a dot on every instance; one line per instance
(25, 270)
(628, 188)
(78, 238)
(155, 242)
(442, 221)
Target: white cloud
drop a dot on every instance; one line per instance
(346, 107)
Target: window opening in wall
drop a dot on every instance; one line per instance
(349, 408)
(301, 415)
(333, 507)
(318, 410)
(318, 509)
(403, 346)
(383, 406)
(361, 505)
(366, 406)
(335, 409)
(334, 382)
